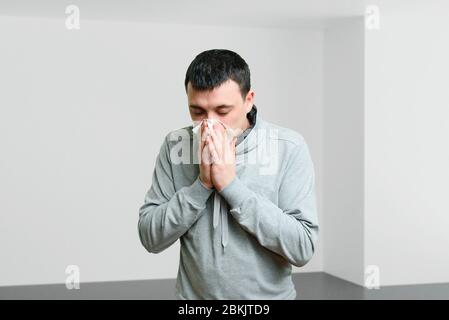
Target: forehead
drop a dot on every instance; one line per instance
(227, 92)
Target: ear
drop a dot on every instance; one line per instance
(249, 100)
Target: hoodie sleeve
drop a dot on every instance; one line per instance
(291, 228)
(167, 214)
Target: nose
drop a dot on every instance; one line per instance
(211, 116)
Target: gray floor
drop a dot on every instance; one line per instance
(310, 286)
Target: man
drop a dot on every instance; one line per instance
(263, 186)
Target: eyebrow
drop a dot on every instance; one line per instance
(222, 106)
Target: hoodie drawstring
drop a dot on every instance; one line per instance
(221, 210)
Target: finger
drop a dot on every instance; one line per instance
(228, 140)
(221, 137)
(205, 155)
(229, 150)
(217, 132)
(213, 151)
(204, 131)
(221, 127)
(217, 141)
(201, 142)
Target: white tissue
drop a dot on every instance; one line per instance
(210, 122)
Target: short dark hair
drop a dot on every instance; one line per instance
(213, 67)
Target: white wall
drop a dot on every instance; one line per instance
(343, 149)
(386, 145)
(83, 114)
(407, 142)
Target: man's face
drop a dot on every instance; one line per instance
(224, 103)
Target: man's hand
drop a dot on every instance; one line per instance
(205, 162)
(222, 151)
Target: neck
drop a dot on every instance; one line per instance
(247, 124)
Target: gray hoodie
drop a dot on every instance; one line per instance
(238, 243)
